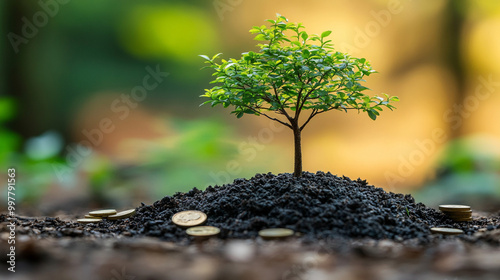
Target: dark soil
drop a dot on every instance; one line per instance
(317, 206)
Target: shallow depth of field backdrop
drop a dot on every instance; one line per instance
(99, 101)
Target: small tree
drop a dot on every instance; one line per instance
(292, 72)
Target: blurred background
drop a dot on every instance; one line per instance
(99, 101)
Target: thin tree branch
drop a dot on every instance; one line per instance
(336, 108)
(282, 109)
(269, 117)
(297, 109)
(311, 91)
(316, 112)
(313, 113)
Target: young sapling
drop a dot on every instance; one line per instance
(293, 72)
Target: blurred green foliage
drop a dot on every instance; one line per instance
(36, 174)
(9, 141)
(468, 155)
(467, 172)
(177, 31)
(93, 46)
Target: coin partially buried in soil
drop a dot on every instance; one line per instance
(203, 231)
(189, 218)
(89, 220)
(102, 213)
(275, 233)
(448, 231)
(122, 214)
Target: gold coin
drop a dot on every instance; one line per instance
(458, 213)
(89, 216)
(102, 213)
(454, 208)
(450, 231)
(90, 220)
(203, 231)
(122, 214)
(189, 218)
(459, 216)
(271, 233)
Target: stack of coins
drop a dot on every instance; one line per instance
(110, 214)
(458, 213)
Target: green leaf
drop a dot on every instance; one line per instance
(260, 37)
(254, 30)
(326, 34)
(229, 65)
(372, 115)
(206, 102)
(304, 35)
(306, 53)
(205, 57)
(215, 56)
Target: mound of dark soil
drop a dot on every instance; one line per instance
(317, 206)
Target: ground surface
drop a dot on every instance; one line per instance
(345, 230)
(151, 258)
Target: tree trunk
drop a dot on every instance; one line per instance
(297, 172)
